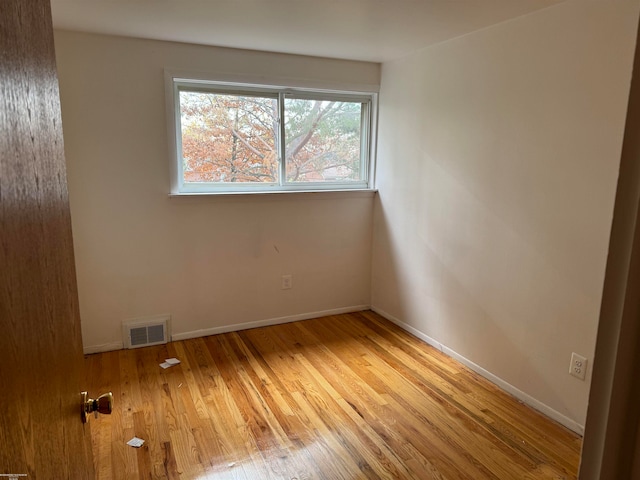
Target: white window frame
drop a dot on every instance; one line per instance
(367, 136)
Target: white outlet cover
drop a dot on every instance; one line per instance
(578, 366)
(287, 282)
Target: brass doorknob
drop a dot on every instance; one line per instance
(103, 404)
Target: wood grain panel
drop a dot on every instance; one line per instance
(343, 397)
(40, 429)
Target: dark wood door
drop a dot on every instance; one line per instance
(41, 361)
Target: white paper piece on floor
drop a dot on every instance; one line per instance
(165, 365)
(135, 442)
(172, 361)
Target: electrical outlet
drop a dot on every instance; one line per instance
(287, 282)
(578, 367)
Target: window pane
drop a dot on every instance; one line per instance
(228, 138)
(322, 140)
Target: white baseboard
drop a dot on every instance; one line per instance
(108, 347)
(105, 347)
(507, 387)
(265, 323)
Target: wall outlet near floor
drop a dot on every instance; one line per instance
(287, 282)
(578, 367)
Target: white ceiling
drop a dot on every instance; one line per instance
(371, 30)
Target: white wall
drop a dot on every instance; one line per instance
(211, 262)
(497, 164)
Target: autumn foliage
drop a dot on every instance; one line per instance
(234, 138)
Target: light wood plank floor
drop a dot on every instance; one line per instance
(341, 397)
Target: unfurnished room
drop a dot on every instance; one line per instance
(286, 239)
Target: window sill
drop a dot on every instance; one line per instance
(360, 192)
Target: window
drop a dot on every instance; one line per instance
(244, 138)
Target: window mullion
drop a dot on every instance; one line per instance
(281, 139)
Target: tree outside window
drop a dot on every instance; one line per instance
(234, 138)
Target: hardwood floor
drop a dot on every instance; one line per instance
(342, 397)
